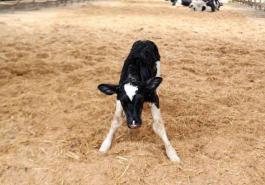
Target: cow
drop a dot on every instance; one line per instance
(201, 5)
(139, 80)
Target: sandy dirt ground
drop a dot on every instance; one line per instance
(53, 119)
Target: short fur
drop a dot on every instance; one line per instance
(139, 80)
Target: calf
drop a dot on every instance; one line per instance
(140, 77)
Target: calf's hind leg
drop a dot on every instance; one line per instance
(159, 129)
(116, 123)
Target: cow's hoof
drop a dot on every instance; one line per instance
(172, 155)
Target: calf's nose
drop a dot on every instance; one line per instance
(134, 125)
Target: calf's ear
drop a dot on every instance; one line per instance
(108, 89)
(153, 83)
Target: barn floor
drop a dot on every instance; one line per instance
(53, 118)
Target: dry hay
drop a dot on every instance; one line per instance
(53, 119)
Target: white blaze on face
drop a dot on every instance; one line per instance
(130, 90)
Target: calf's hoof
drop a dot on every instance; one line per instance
(172, 155)
(105, 146)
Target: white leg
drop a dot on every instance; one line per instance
(116, 123)
(159, 129)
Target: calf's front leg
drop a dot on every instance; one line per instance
(159, 129)
(116, 123)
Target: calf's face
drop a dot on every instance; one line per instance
(132, 96)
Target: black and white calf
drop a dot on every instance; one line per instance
(140, 77)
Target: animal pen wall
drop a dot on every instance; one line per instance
(257, 4)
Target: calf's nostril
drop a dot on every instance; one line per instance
(133, 125)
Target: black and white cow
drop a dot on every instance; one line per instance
(201, 5)
(140, 77)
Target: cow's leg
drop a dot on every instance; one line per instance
(116, 123)
(159, 129)
(211, 4)
(173, 2)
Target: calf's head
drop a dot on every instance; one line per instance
(132, 95)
